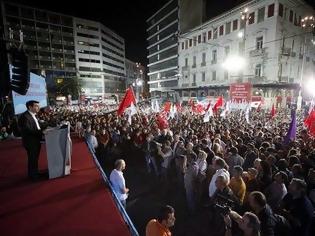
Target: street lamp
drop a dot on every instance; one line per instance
(308, 24)
(234, 63)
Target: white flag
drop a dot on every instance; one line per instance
(207, 115)
(157, 107)
(130, 112)
(247, 113)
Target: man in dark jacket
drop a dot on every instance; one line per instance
(31, 137)
(258, 203)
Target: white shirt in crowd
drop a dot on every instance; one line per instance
(220, 172)
(118, 182)
(202, 165)
(35, 119)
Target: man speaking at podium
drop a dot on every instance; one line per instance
(31, 137)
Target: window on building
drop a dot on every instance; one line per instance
(195, 41)
(259, 43)
(215, 33)
(190, 42)
(203, 58)
(221, 30)
(214, 75)
(209, 34)
(194, 61)
(258, 70)
(203, 76)
(295, 20)
(280, 10)
(186, 44)
(228, 28)
(199, 38)
(271, 10)
(186, 62)
(291, 16)
(214, 56)
(226, 75)
(194, 79)
(251, 19)
(204, 37)
(300, 21)
(235, 25)
(183, 45)
(261, 15)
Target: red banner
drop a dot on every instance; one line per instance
(241, 92)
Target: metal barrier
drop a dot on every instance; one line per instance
(120, 207)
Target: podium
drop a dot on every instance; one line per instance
(59, 149)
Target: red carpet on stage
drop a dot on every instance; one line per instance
(79, 204)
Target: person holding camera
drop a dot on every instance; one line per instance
(249, 223)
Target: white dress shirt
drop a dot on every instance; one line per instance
(35, 119)
(118, 182)
(220, 172)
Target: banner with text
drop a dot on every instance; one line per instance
(241, 92)
(37, 91)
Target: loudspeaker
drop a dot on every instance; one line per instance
(20, 74)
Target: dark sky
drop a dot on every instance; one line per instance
(125, 17)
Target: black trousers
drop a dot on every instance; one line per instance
(33, 156)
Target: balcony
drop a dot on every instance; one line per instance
(293, 54)
(203, 63)
(257, 52)
(213, 62)
(257, 79)
(194, 84)
(194, 66)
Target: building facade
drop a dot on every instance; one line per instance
(269, 37)
(62, 46)
(100, 55)
(163, 28)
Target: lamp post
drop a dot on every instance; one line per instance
(308, 24)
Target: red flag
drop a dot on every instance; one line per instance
(218, 104)
(162, 122)
(126, 102)
(309, 122)
(198, 108)
(167, 106)
(209, 105)
(273, 111)
(178, 106)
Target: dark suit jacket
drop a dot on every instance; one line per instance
(31, 136)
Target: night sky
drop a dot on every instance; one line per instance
(125, 17)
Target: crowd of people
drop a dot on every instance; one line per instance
(241, 172)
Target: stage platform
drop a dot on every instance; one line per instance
(79, 204)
